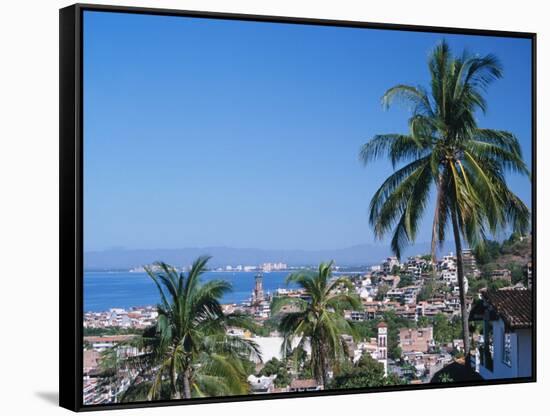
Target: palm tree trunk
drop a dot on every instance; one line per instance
(176, 395)
(436, 221)
(318, 362)
(462, 294)
(324, 366)
(187, 384)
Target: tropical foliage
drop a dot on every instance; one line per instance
(188, 352)
(367, 372)
(318, 322)
(445, 151)
(278, 368)
(446, 330)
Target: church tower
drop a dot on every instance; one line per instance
(258, 289)
(382, 345)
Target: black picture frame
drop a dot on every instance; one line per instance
(71, 200)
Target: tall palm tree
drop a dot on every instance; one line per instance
(320, 319)
(189, 348)
(445, 150)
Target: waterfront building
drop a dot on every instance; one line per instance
(258, 294)
(270, 267)
(259, 305)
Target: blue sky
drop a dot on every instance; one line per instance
(201, 132)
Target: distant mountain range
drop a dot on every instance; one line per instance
(363, 254)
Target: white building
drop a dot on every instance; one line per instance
(456, 287)
(449, 277)
(389, 264)
(377, 347)
(382, 350)
(506, 350)
(270, 267)
(262, 384)
(448, 262)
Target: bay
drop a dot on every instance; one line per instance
(105, 290)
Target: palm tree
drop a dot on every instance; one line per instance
(319, 320)
(189, 352)
(110, 365)
(447, 151)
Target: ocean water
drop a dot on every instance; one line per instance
(105, 290)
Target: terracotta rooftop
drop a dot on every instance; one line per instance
(514, 306)
(382, 325)
(303, 384)
(91, 359)
(108, 338)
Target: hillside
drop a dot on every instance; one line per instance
(363, 254)
(517, 252)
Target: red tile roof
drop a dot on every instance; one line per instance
(514, 306)
(108, 338)
(303, 384)
(91, 359)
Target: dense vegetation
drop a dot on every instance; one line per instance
(188, 353)
(367, 372)
(319, 321)
(278, 368)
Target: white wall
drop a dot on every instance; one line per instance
(29, 204)
(520, 342)
(500, 369)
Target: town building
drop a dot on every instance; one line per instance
(305, 385)
(271, 267)
(506, 350)
(390, 280)
(389, 264)
(258, 294)
(448, 262)
(529, 274)
(449, 276)
(262, 384)
(470, 264)
(502, 274)
(102, 343)
(137, 317)
(259, 304)
(382, 350)
(416, 339)
(416, 265)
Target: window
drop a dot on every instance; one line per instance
(507, 349)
